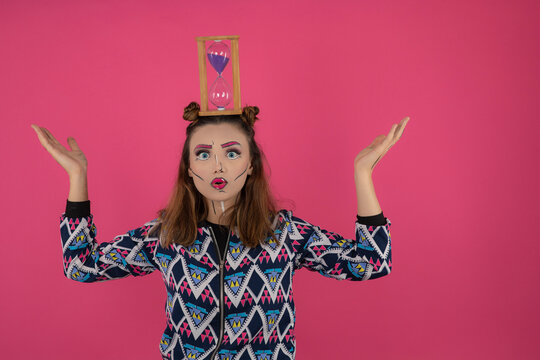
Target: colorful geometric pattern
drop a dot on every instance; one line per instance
(259, 312)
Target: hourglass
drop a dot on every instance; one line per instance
(218, 55)
(215, 50)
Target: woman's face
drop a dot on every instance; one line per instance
(219, 163)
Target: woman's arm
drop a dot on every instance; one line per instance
(368, 205)
(367, 256)
(365, 162)
(78, 186)
(85, 260)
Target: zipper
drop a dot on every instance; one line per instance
(221, 288)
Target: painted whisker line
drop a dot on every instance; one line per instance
(197, 175)
(241, 174)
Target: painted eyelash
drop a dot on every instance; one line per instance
(236, 151)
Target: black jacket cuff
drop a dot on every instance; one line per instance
(374, 220)
(77, 208)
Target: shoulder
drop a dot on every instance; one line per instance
(286, 217)
(149, 228)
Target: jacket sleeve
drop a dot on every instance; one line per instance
(368, 256)
(85, 260)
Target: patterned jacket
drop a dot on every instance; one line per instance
(240, 307)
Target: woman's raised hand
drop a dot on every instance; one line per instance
(366, 160)
(73, 161)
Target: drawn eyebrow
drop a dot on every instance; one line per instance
(203, 146)
(227, 144)
(230, 143)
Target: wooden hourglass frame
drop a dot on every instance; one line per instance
(201, 45)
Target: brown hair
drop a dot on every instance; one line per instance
(255, 211)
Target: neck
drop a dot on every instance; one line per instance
(216, 208)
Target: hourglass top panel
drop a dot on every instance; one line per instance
(223, 37)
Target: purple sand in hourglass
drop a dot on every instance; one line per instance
(218, 62)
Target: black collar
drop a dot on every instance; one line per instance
(207, 223)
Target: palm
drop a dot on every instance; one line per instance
(73, 161)
(370, 156)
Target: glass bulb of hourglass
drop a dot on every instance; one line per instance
(220, 93)
(219, 55)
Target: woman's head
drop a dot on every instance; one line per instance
(220, 147)
(219, 162)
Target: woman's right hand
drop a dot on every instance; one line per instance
(73, 161)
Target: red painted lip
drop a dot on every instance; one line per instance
(219, 183)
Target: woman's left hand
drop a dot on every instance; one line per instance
(366, 160)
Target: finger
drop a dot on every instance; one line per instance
(47, 136)
(405, 121)
(400, 129)
(53, 139)
(47, 133)
(390, 136)
(36, 129)
(73, 144)
(43, 139)
(48, 144)
(379, 139)
(390, 139)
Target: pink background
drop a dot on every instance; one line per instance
(460, 187)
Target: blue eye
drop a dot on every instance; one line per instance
(234, 152)
(200, 153)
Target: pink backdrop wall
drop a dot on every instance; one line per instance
(460, 187)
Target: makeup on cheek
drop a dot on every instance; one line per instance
(196, 175)
(241, 174)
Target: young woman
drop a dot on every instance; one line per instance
(226, 254)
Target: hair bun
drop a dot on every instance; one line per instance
(191, 112)
(249, 114)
